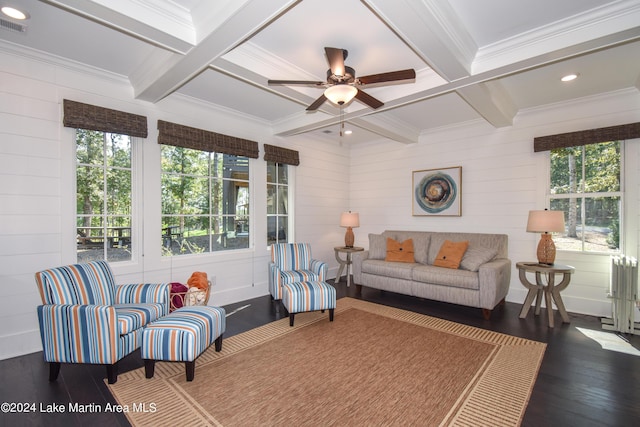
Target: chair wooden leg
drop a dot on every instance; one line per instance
(331, 314)
(218, 343)
(149, 368)
(112, 373)
(291, 316)
(190, 369)
(54, 370)
(486, 313)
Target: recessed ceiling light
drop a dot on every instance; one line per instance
(569, 77)
(348, 132)
(14, 13)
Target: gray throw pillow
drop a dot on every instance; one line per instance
(475, 256)
(377, 246)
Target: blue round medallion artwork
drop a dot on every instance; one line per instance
(436, 193)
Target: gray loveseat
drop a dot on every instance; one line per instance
(482, 280)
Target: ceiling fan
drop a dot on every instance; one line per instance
(342, 85)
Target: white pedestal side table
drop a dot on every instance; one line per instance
(550, 290)
(345, 263)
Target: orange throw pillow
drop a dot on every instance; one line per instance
(400, 252)
(198, 280)
(451, 254)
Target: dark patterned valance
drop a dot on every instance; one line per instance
(198, 139)
(281, 155)
(593, 136)
(84, 116)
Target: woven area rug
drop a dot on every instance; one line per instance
(374, 365)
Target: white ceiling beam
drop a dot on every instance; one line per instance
(387, 127)
(491, 101)
(433, 31)
(393, 129)
(249, 19)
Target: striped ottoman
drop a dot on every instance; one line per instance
(299, 297)
(182, 336)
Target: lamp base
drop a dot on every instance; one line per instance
(349, 238)
(546, 250)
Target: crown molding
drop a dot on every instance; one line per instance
(603, 21)
(59, 62)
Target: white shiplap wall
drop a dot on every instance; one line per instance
(502, 179)
(37, 199)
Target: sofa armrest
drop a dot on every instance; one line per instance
(494, 277)
(142, 293)
(356, 265)
(79, 333)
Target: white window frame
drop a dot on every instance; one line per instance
(583, 196)
(290, 202)
(70, 249)
(249, 214)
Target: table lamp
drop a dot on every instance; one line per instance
(546, 222)
(349, 220)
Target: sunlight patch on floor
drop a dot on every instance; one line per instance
(610, 341)
(238, 309)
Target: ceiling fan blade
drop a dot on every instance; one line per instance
(388, 77)
(317, 103)
(294, 82)
(336, 59)
(369, 100)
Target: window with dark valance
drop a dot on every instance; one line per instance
(281, 155)
(90, 117)
(592, 136)
(198, 139)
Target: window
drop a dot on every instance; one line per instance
(586, 185)
(205, 201)
(103, 196)
(277, 203)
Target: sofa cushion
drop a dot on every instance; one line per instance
(397, 270)
(475, 256)
(446, 277)
(421, 240)
(399, 251)
(451, 254)
(377, 246)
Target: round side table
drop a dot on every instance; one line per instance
(345, 262)
(550, 290)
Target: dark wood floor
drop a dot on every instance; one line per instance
(579, 383)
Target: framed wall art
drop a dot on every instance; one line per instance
(437, 192)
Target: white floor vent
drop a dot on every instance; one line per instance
(623, 291)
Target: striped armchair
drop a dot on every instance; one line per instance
(86, 318)
(292, 262)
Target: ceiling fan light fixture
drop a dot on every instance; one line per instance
(340, 94)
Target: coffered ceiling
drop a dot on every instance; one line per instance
(474, 60)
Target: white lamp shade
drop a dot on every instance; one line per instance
(340, 94)
(350, 219)
(545, 221)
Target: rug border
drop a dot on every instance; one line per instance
(514, 381)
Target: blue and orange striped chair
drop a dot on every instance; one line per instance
(86, 318)
(290, 263)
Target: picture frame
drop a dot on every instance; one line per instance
(437, 192)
